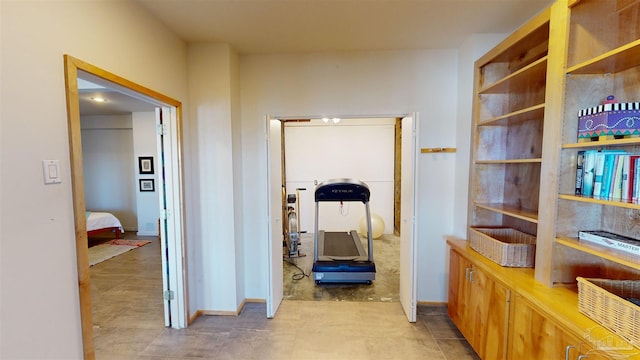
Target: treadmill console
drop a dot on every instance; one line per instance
(342, 190)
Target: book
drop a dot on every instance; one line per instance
(579, 171)
(607, 175)
(636, 180)
(611, 240)
(588, 172)
(598, 169)
(632, 176)
(626, 177)
(615, 192)
(603, 171)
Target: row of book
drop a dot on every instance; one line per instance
(608, 174)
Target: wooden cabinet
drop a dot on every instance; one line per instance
(536, 336)
(479, 307)
(459, 292)
(504, 313)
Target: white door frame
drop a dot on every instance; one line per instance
(274, 266)
(273, 138)
(408, 216)
(171, 216)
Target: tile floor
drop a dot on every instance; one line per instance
(128, 324)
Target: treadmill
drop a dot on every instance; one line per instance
(339, 257)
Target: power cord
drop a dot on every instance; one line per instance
(297, 276)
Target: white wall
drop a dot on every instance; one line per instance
(108, 165)
(145, 143)
(38, 276)
(361, 149)
(213, 278)
(358, 84)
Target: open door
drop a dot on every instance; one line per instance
(408, 224)
(274, 200)
(169, 185)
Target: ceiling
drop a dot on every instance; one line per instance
(116, 103)
(294, 26)
(277, 26)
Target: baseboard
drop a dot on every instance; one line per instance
(147, 233)
(432, 303)
(199, 313)
(254, 301)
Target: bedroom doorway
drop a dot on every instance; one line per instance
(169, 187)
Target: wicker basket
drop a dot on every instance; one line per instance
(605, 301)
(505, 246)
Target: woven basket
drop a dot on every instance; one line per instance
(505, 246)
(605, 301)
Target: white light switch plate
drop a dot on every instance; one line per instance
(51, 171)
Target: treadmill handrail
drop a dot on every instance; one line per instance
(342, 190)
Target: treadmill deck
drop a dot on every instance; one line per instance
(342, 259)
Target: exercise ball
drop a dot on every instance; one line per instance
(377, 226)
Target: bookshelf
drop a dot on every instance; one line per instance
(508, 124)
(528, 91)
(603, 58)
(527, 94)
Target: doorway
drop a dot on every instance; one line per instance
(316, 150)
(168, 115)
(277, 191)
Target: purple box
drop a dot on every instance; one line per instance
(618, 119)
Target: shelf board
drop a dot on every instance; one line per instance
(522, 78)
(534, 112)
(614, 61)
(572, 3)
(589, 199)
(510, 161)
(592, 144)
(519, 213)
(630, 4)
(616, 256)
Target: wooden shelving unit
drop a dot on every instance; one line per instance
(509, 108)
(536, 111)
(515, 212)
(603, 58)
(527, 94)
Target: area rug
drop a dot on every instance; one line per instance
(113, 248)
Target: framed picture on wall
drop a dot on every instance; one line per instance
(147, 185)
(145, 164)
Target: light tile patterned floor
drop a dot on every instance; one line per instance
(128, 324)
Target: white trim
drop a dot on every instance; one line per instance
(414, 273)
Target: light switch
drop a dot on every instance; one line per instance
(51, 170)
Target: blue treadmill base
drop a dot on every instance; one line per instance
(344, 272)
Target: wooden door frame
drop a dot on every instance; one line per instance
(71, 68)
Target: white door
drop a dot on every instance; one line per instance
(274, 191)
(408, 224)
(169, 191)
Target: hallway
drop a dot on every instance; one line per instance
(128, 324)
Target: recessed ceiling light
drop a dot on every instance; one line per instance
(98, 99)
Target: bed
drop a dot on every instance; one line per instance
(102, 222)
